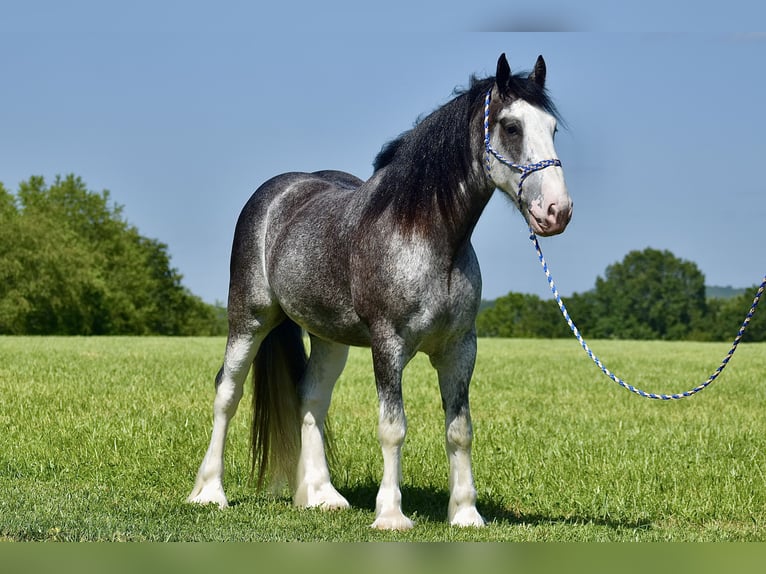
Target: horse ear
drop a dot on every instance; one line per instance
(538, 74)
(503, 75)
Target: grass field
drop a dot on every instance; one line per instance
(100, 439)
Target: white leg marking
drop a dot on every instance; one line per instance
(388, 503)
(462, 500)
(314, 488)
(455, 368)
(208, 487)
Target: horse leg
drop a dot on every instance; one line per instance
(388, 362)
(239, 355)
(325, 365)
(455, 367)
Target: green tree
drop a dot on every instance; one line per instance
(521, 315)
(7, 204)
(71, 264)
(651, 294)
(582, 309)
(727, 315)
(45, 274)
(12, 302)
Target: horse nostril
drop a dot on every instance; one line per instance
(558, 215)
(553, 213)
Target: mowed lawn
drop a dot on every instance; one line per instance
(100, 439)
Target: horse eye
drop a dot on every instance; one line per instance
(512, 129)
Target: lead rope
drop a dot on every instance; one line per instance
(526, 170)
(610, 374)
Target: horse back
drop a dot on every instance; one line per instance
(290, 252)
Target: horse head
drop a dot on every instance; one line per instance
(519, 128)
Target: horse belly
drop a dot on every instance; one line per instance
(322, 309)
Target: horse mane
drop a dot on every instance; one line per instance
(429, 163)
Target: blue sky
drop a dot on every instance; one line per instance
(181, 109)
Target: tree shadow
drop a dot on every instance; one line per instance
(431, 503)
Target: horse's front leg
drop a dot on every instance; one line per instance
(388, 361)
(455, 367)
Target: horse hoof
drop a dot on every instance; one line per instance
(326, 498)
(208, 495)
(392, 521)
(467, 517)
(335, 503)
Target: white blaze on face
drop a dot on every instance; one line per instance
(545, 201)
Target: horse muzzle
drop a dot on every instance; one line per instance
(550, 220)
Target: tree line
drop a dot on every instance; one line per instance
(650, 294)
(70, 264)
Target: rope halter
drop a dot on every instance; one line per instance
(525, 169)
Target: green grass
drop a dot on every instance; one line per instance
(100, 439)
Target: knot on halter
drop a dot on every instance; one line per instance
(525, 169)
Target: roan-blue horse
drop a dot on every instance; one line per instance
(386, 264)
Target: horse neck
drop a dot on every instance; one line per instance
(469, 197)
(426, 200)
(472, 198)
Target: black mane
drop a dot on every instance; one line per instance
(519, 88)
(455, 109)
(427, 164)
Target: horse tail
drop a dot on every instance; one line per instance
(278, 369)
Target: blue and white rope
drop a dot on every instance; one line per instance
(526, 170)
(615, 378)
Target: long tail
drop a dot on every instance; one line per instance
(278, 368)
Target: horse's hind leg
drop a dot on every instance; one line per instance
(455, 367)
(313, 486)
(240, 352)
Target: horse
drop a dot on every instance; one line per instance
(387, 264)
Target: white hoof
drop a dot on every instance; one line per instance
(208, 494)
(325, 497)
(467, 517)
(392, 521)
